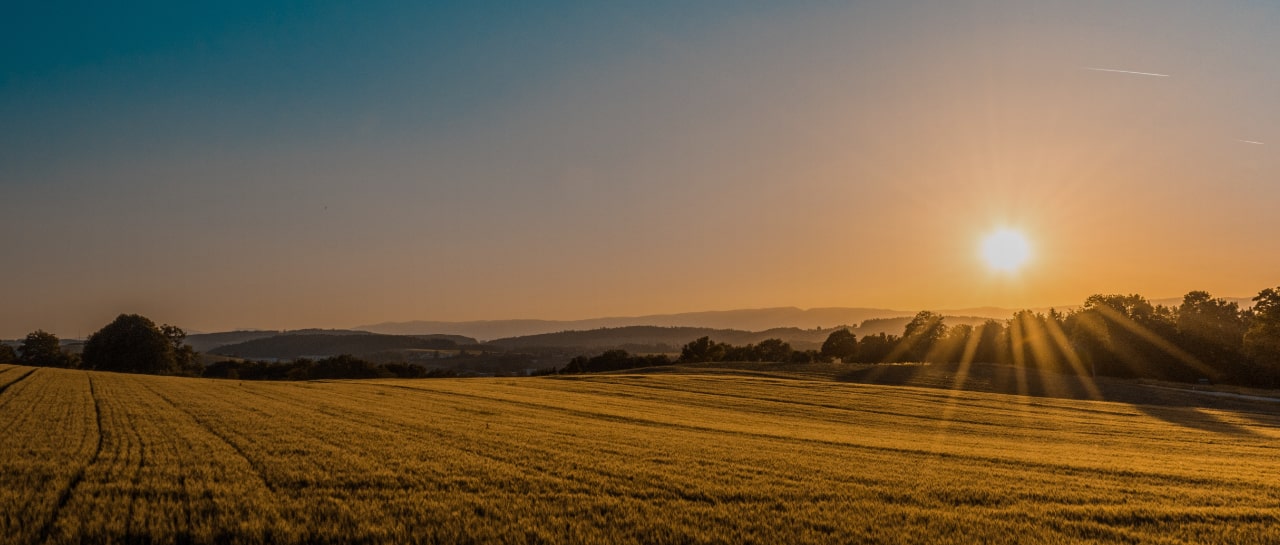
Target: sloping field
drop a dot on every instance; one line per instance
(659, 458)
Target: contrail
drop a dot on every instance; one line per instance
(1127, 72)
(1254, 142)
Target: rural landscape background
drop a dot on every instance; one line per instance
(568, 272)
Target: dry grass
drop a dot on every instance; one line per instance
(659, 458)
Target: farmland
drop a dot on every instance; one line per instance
(691, 457)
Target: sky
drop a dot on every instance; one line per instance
(281, 165)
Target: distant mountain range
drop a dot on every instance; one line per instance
(802, 328)
(292, 345)
(650, 339)
(205, 342)
(742, 320)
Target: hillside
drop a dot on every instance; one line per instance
(205, 342)
(656, 339)
(293, 345)
(670, 339)
(742, 320)
(997, 379)
(627, 458)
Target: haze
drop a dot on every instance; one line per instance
(282, 165)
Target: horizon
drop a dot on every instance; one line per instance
(266, 165)
(1245, 302)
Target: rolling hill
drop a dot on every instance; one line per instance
(741, 320)
(694, 457)
(296, 345)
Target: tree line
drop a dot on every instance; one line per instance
(343, 366)
(1110, 335)
(134, 344)
(129, 344)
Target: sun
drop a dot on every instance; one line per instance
(1005, 250)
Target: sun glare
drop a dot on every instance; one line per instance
(1005, 250)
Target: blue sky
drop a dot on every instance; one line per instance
(275, 164)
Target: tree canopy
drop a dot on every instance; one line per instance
(1262, 340)
(42, 349)
(134, 344)
(7, 354)
(842, 344)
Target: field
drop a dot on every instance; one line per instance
(691, 457)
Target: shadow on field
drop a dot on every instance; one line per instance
(1181, 407)
(1192, 417)
(980, 378)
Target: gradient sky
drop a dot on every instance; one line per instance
(321, 164)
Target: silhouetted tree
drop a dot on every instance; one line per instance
(876, 348)
(1262, 340)
(988, 347)
(184, 356)
(807, 356)
(921, 334)
(134, 344)
(842, 344)
(405, 370)
(701, 350)
(576, 365)
(1091, 340)
(613, 360)
(610, 360)
(346, 366)
(42, 349)
(1127, 336)
(1038, 340)
(1213, 331)
(739, 353)
(7, 354)
(952, 346)
(774, 350)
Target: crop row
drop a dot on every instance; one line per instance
(657, 459)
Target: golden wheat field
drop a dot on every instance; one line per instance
(674, 458)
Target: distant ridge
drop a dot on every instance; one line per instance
(204, 342)
(742, 320)
(298, 345)
(760, 319)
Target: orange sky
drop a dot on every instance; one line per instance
(640, 162)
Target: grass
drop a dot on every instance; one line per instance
(698, 456)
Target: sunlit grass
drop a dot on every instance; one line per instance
(668, 458)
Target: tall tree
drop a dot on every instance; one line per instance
(951, 348)
(1262, 340)
(774, 350)
(876, 348)
(921, 334)
(42, 349)
(842, 344)
(184, 356)
(132, 344)
(1213, 331)
(1131, 338)
(700, 350)
(988, 349)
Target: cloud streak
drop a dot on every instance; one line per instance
(1126, 72)
(1254, 142)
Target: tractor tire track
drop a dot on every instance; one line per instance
(46, 530)
(20, 378)
(254, 466)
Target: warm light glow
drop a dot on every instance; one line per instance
(1005, 250)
